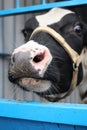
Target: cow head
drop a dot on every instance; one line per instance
(42, 65)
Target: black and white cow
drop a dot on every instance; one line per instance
(42, 65)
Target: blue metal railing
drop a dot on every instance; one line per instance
(37, 116)
(42, 6)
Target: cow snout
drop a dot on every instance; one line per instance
(37, 57)
(32, 57)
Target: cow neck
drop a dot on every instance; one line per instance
(75, 57)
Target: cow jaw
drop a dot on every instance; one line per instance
(36, 85)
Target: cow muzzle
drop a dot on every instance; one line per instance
(28, 65)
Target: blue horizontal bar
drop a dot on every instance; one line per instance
(74, 114)
(41, 7)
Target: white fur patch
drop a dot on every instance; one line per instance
(53, 16)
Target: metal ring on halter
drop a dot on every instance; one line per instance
(75, 67)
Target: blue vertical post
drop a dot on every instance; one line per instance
(14, 41)
(3, 41)
(25, 3)
(17, 3)
(43, 1)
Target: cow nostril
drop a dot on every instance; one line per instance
(38, 57)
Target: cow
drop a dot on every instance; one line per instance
(53, 61)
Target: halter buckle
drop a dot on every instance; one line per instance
(75, 67)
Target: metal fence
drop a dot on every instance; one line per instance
(20, 6)
(13, 14)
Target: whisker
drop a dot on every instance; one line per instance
(53, 74)
(56, 88)
(59, 58)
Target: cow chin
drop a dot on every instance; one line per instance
(35, 85)
(41, 87)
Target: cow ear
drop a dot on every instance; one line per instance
(30, 25)
(80, 10)
(27, 33)
(24, 31)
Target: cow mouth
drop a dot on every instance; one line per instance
(41, 87)
(32, 84)
(31, 81)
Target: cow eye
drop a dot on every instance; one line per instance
(78, 29)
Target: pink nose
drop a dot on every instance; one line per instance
(34, 56)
